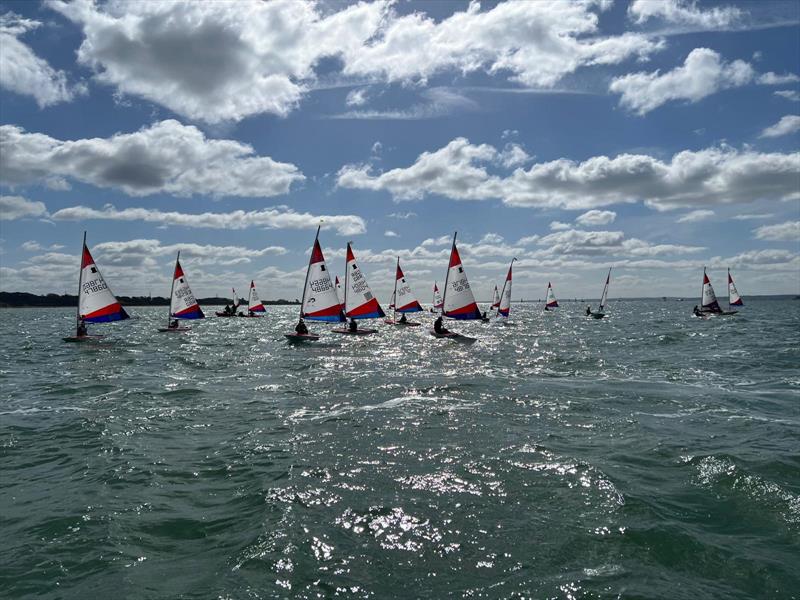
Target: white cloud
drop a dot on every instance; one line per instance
(703, 73)
(356, 97)
(22, 72)
(792, 95)
(17, 207)
(166, 157)
(436, 102)
(782, 232)
(695, 216)
(605, 243)
(775, 79)
(788, 124)
(559, 226)
(402, 215)
(271, 218)
(34, 246)
(390, 233)
(690, 178)
(514, 155)
(683, 12)
(218, 61)
(593, 218)
(749, 217)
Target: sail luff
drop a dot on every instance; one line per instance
(172, 288)
(80, 283)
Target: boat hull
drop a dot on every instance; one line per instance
(356, 332)
(452, 335)
(301, 337)
(174, 329)
(83, 338)
(406, 324)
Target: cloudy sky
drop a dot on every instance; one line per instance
(652, 136)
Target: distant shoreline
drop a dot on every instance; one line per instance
(25, 300)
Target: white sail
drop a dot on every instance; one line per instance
(504, 308)
(96, 301)
(459, 301)
(359, 303)
(551, 301)
(183, 304)
(709, 299)
(604, 295)
(320, 302)
(495, 298)
(437, 297)
(403, 299)
(253, 302)
(734, 299)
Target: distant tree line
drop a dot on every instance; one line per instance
(23, 299)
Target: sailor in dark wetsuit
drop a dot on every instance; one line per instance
(403, 319)
(588, 311)
(301, 328)
(81, 329)
(173, 324)
(353, 326)
(438, 327)
(696, 311)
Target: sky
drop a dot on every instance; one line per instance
(654, 137)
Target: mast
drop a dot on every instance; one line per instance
(447, 276)
(434, 296)
(702, 286)
(394, 316)
(305, 284)
(729, 288)
(80, 283)
(346, 280)
(172, 289)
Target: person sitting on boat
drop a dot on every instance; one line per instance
(484, 317)
(696, 311)
(588, 311)
(438, 327)
(353, 326)
(301, 328)
(173, 324)
(250, 313)
(82, 329)
(403, 319)
(545, 307)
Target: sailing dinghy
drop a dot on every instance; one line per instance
(504, 308)
(320, 302)
(438, 303)
(709, 306)
(359, 302)
(550, 303)
(603, 299)
(734, 299)
(495, 299)
(403, 300)
(458, 301)
(339, 292)
(182, 303)
(254, 306)
(234, 304)
(96, 301)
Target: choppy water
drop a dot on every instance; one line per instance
(649, 455)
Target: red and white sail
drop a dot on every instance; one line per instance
(734, 299)
(495, 299)
(604, 295)
(504, 308)
(253, 302)
(320, 302)
(438, 303)
(459, 301)
(403, 299)
(182, 304)
(359, 303)
(96, 301)
(709, 299)
(551, 301)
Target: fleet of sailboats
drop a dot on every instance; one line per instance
(329, 301)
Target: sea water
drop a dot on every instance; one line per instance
(647, 455)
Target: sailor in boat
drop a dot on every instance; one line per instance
(353, 326)
(250, 313)
(438, 327)
(81, 329)
(696, 311)
(403, 319)
(545, 307)
(173, 324)
(588, 311)
(301, 328)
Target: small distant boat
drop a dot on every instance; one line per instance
(603, 300)
(254, 306)
(358, 299)
(96, 301)
(734, 299)
(438, 303)
(403, 300)
(320, 302)
(495, 299)
(182, 303)
(234, 304)
(709, 306)
(550, 302)
(504, 308)
(458, 301)
(339, 292)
